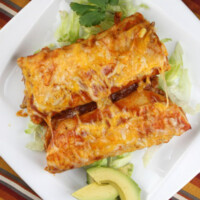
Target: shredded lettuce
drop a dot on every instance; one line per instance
(149, 153)
(38, 132)
(128, 8)
(122, 156)
(115, 162)
(176, 62)
(118, 162)
(37, 51)
(52, 46)
(164, 40)
(70, 29)
(178, 82)
(99, 163)
(127, 169)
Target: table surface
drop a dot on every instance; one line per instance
(12, 187)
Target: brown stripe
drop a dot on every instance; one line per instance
(3, 19)
(2, 22)
(196, 181)
(17, 180)
(5, 195)
(25, 188)
(9, 192)
(10, 6)
(15, 190)
(197, 2)
(194, 5)
(198, 176)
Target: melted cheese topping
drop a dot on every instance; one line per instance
(89, 70)
(138, 121)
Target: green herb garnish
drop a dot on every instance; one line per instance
(93, 13)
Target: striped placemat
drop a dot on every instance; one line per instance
(8, 9)
(12, 187)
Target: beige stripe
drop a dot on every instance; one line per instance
(19, 188)
(179, 197)
(7, 9)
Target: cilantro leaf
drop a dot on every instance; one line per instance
(114, 2)
(81, 9)
(92, 18)
(100, 3)
(94, 13)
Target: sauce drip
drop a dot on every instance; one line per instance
(21, 113)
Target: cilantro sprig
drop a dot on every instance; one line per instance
(94, 13)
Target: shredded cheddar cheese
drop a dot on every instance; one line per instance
(89, 70)
(137, 121)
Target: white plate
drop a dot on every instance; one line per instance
(172, 166)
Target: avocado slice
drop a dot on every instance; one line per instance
(127, 188)
(127, 170)
(95, 191)
(89, 179)
(101, 190)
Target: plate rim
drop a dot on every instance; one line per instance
(40, 6)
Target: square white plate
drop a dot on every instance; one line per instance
(173, 165)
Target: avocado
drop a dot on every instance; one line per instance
(127, 169)
(127, 188)
(89, 179)
(83, 193)
(95, 191)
